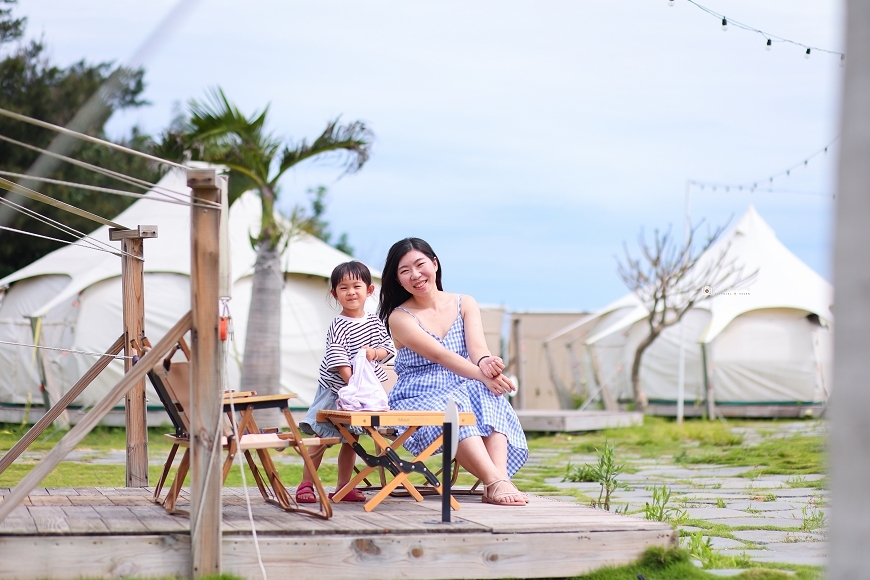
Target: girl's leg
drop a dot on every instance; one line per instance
(346, 460)
(316, 452)
(473, 455)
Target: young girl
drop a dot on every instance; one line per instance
(352, 330)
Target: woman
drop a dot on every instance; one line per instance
(441, 354)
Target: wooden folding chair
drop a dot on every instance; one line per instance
(171, 380)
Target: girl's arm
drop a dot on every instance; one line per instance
(475, 340)
(406, 332)
(345, 373)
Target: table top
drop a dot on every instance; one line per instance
(258, 401)
(391, 418)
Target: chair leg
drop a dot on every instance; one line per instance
(175, 488)
(166, 467)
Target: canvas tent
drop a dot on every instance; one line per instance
(71, 299)
(762, 349)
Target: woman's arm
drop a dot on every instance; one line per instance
(407, 333)
(475, 340)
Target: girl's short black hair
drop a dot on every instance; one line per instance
(392, 293)
(353, 270)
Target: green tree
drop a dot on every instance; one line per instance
(32, 86)
(218, 132)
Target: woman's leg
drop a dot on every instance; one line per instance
(473, 454)
(497, 448)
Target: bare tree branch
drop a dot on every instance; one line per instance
(670, 278)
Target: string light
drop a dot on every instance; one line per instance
(754, 186)
(770, 38)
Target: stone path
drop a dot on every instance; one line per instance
(773, 518)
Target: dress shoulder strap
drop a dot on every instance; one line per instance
(409, 312)
(459, 305)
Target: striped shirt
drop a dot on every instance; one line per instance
(344, 339)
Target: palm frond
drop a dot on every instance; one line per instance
(351, 141)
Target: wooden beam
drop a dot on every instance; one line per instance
(132, 292)
(18, 493)
(205, 379)
(55, 411)
(140, 232)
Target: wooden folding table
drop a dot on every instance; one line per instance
(387, 457)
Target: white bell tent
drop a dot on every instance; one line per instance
(71, 299)
(763, 349)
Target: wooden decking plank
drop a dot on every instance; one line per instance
(49, 500)
(120, 519)
(65, 491)
(19, 521)
(87, 491)
(155, 519)
(89, 500)
(49, 519)
(84, 520)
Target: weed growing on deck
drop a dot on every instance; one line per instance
(812, 518)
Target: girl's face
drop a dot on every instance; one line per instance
(351, 293)
(417, 273)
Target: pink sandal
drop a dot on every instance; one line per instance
(305, 493)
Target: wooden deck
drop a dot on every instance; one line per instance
(112, 532)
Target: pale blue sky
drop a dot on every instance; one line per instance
(525, 140)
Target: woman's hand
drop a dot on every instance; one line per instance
(499, 385)
(492, 366)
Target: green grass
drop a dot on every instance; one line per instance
(798, 455)
(661, 564)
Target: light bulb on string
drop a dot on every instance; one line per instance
(842, 60)
(724, 24)
(807, 54)
(769, 44)
(671, 3)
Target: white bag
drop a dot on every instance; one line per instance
(364, 391)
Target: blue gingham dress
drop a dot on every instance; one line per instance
(425, 386)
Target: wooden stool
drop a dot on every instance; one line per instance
(387, 458)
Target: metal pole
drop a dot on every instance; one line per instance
(446, 474)
(681, 374)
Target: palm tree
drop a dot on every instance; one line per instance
(218, 132)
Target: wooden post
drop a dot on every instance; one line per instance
(132, 292)
(848, 556)
(205, 384)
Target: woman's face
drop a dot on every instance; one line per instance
(417, 273)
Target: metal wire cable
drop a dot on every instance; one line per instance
(84, 137)
(55, 239)
(109, 190)
(93, 242)
(100, 354)
(140, 183)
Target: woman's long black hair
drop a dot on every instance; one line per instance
(392, 293)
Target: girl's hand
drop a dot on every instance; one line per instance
(492, 366)
(371, 353)
(499, 385)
